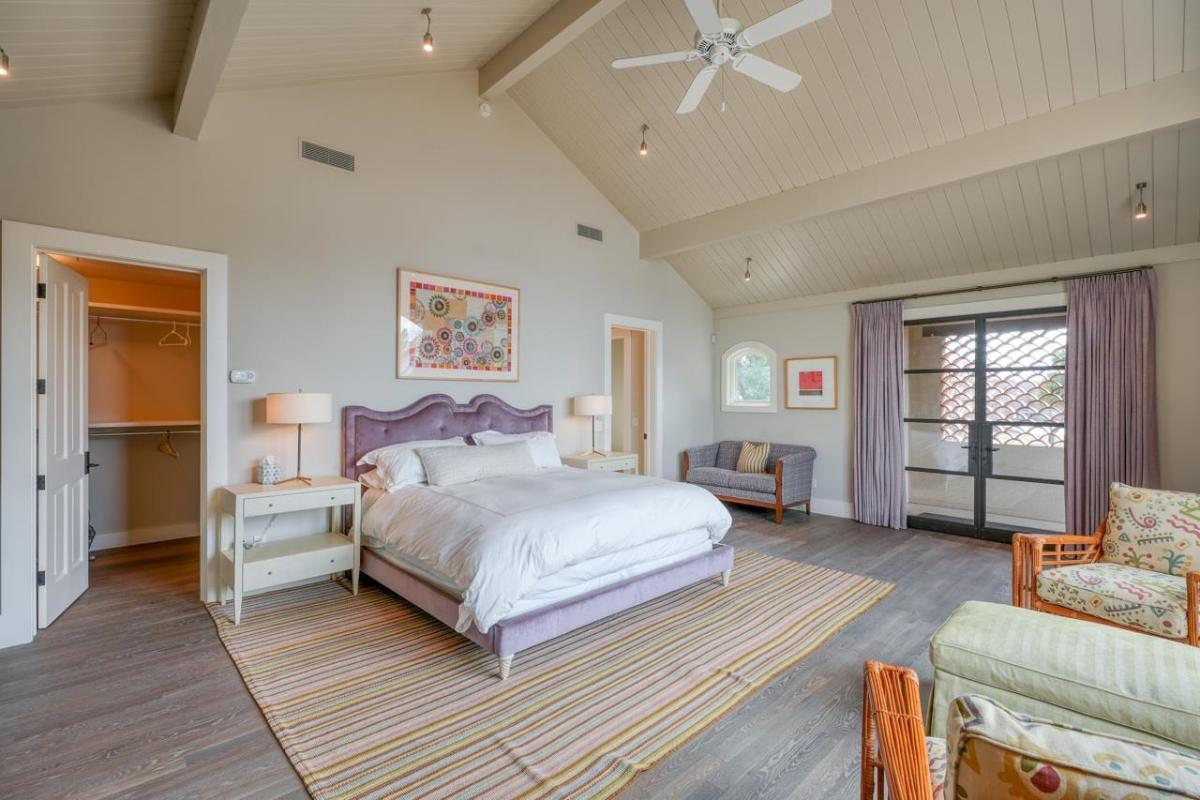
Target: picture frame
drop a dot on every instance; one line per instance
(810, 383)
(450, 328)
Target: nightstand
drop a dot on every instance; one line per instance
(286, 560)
(605, 462)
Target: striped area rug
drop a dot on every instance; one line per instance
(371, 698)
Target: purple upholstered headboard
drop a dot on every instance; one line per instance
(434, 416)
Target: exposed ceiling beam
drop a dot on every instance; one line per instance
(552, 31)
(1149, 107)
(213, 31)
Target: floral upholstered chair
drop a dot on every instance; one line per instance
(991, 753)
(1139, 570)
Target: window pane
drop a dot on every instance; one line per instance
(752, 378)
(944, 498)
(941, 345)
(1028, 451)
(948, 395)
(938, 445)
(1027, 396)
(1015, 505)
(1039, 341)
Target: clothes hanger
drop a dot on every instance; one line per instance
(93, 341)
(164, 445)
(174, 338)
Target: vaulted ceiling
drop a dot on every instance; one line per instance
(928, 138)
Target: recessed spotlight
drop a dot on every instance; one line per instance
(1140, 211)
(645, 148)
(427, 40)
(3, 63)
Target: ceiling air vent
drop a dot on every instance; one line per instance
(590, 233)
(326, 155)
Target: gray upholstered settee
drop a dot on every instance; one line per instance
(787, 481)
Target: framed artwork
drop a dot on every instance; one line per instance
(456, 329)
(810, 382)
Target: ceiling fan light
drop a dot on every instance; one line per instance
(1141, 211)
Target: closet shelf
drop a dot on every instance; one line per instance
(170, 423)
(143, 312)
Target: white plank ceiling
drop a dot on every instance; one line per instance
(90, 49)
(1074, 206)
(285, 42)
(882, 78)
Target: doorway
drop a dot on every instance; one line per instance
(30, 357)
(633, 363)
(986, 423)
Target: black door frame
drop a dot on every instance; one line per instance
(979, 438)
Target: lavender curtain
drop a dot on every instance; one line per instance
(878, 411)
(1112, 425)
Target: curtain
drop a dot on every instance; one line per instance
(1112, 425)
(878, 414)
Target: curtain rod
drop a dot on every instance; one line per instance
(1011, 285)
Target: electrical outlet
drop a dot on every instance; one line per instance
(242, 376)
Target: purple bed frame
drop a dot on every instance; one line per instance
(437, 416)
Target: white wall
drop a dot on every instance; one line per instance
(313, 251)
(825, 330)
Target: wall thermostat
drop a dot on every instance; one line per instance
(485, 109)
(242, 376)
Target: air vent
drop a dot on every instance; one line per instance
(326, 155)
(590, 233)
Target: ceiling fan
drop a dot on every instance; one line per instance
(722, 41)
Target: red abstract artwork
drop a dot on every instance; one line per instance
(811, 383)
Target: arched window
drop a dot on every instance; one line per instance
(748, 378)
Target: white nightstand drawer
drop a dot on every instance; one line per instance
(296, 559)
(616, 464)
(298, 501)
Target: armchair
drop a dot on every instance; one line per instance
(1140, 570)
(788, 481)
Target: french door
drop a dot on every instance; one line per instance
(986, 423)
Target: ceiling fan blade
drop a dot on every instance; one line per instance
(785, 21)
(768, 72)
(695, 92)
(704, 12)
(661, 58)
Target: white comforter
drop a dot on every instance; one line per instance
(496, 538)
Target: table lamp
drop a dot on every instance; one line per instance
(593, 405)
(299, 409)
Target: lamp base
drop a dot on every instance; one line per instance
(300, 479)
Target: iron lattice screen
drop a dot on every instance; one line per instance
(1013, 394)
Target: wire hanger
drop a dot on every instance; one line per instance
(102, 339)
(174, 338)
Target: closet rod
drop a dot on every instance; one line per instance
(164, 321)
(106, 434)
(1011, 285)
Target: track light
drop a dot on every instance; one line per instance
(3, 63)
(1140, 211)
(746, 277)
(427, 40)
(645, 148)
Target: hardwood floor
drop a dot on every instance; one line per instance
(131, 695)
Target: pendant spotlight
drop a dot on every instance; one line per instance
(645, 148)
(427, 40)
(746, 277)
(1140, 211)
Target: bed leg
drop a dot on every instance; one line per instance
(725, 577)
(505, 666)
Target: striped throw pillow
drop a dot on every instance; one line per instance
(753, 457)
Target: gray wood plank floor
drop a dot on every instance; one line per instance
(131, 695)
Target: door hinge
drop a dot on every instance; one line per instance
(87, 462)
(41, 483)
(41, 577)
(41, 385)
(41, 291)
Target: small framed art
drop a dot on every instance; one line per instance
(456, 329)
(810, 382)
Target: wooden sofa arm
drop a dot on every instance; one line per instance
(1031, 552)
(893, 735)
(1193, 608)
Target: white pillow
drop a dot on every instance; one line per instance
(541, 444)
(399, 465)
(446, 466)
(373, 480)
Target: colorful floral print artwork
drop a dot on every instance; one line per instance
(452, 328)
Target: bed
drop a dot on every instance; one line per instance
(649, 565)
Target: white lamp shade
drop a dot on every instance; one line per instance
(593, 405)
(299, 408)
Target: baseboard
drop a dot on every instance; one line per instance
(159, 533)
(833, 508)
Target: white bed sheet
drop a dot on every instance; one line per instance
(496, 539)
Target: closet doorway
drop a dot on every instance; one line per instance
(143, 405)
(633, 363)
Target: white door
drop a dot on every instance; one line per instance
(62, 441)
